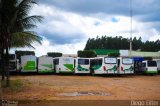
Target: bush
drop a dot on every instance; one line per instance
(148, 58)
(54, 54)
(114, 54)
(87, 54)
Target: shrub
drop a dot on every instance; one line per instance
(114, 54)
(148, 58)
(87, 54)
(54, 54)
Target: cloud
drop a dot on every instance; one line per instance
(111, 7)
(68, 24)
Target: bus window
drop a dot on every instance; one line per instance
(110, 60)
(83, 61)
(127, 61)
(12, 56)
(152, 64)
(96, 62)
(56, 61)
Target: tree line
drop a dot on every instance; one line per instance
(106, 42)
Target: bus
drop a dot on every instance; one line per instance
(64, 64)
(13, 63)
(103, 65)
(28, 63)
(45, 64)
(82, 66)
(125, 65)
(149, 67)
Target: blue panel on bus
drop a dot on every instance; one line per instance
(138, 58)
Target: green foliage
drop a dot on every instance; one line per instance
(114, 54)
(115, 43)
(21, 53)
(15, 86)
(148, 58)
(54, 54)
(17, 24)
(87, 53)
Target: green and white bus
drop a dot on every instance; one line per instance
(64, 64)
(28, 63)
(103, 65)
(125, 65)
(82, 65)
(45, 64)
(13, 63)
(149, 67)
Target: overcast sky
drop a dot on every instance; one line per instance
(68, 24)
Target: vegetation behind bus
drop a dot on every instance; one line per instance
(87, 54)
(54, 54)
(114, 54)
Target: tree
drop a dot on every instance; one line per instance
(16, 25)
(121, 43)
(114, 54)
(54, 54)
(87, 54)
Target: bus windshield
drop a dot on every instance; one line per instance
(127, 61)
(152, 64)
(108, 60)
(12, 56)
(83, 61)
(96, 62)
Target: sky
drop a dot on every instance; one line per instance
(68, 24)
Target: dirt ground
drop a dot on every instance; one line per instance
(53, 87)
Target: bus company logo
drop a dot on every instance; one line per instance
(144, 103)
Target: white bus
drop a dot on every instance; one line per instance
(125, 65)
(103, 65)
(13, 63)
(28, 63)
(64, 64)
(45, 64)
(158, 65)
(149, 67)
(82, 65)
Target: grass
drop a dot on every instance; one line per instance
(15, 85)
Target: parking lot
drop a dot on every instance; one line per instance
(83, 87)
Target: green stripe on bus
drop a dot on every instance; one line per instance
(151, 72)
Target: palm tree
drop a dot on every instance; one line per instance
(16, 27)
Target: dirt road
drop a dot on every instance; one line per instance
(59, 87)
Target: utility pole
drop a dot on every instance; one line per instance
(130, 53)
